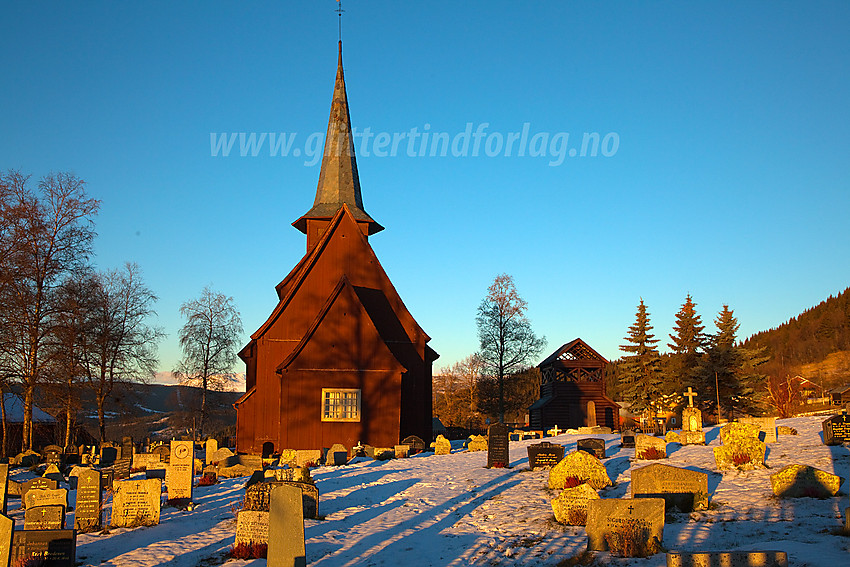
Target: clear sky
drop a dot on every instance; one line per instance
(725, 173)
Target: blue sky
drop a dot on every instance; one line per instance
(730, 179)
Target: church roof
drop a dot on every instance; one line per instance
(574, 351)
(339, 182)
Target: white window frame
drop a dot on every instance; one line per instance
(337, 406)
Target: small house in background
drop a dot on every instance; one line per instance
(44, 425)
(572, 390)
(840, 395)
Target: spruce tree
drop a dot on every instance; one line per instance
(640, 370)
(687, 348)
(728, 370)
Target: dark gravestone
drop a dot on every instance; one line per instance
(56, 548)
(45, 518)
(36, 484)
(545, 454)
(87, 511)
(627, 439)
(53, 454)
(7, 526)
(836, 429)
(107, 478)
(108, 454)
(122, 469)
(4, 485)
(497, 446)
(286, 528)
(416, 444)
(127, 449)
(256, 477)
(593, 446)
(155, 473)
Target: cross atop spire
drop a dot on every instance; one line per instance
(338, 180)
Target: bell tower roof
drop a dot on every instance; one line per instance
(339, 182)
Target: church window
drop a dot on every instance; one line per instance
(340, 404)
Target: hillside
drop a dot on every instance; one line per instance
(157, 411)
(814, 344)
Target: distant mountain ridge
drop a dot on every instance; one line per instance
(815, 344)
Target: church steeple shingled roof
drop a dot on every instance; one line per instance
(339, 182)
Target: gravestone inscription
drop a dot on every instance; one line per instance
(613, 520)
(36, 484)
(45, 518)
(121, 467)
(56, 548)
(181, 470)
(544, 454)
(497, 446)
(252, 526)
(416, 444)
(87, 511)
(53, 454)
(836, 429)
(136, 503)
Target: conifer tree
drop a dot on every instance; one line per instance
(728, 370)
(687, 348)
(640, 370)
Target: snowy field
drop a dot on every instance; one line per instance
(450, 510)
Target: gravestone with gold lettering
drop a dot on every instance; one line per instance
(87, 511)
(836, 429)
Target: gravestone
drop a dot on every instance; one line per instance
(746, 453)
(497, 446)
(286, 528)
(735, 431)
(45, 518)
(307, 457)
(544, 454)
(672, 437)
(416, 444)
(583, 467)
(136, 503)
(252, 527)
(337, 455)
(121, 468)
(221, 455)
(258, 496)
(593, 446)
(52, 471)
(442, 446)
(181, 471)
(107, 478)
(476, 443)
(650, 447)
(146, 460)
(691, 419)
(685, 489)
(7, 526)
(401, 451)
(570, 507)
(108, 454)
(164, 452)
(87, 510)
(156, 471)
(4, 488)
(612, 520)
(836, 429)
(56, 548)
(767, 427)
(692, 438)
(727, 558)
(53, 454)
(46, 497)
(801, 481)
(210, 447)
(36, 484)
(127, 449)
(627, 439)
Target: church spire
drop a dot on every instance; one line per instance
(338, 180)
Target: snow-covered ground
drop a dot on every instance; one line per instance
(450, 510)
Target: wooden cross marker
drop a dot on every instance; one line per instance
(690, 394)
